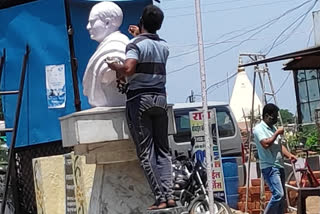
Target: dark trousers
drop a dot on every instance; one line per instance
(148, 123)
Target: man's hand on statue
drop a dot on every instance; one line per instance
(112, 62)
(120, 77)
(112, 65)
(134, 30)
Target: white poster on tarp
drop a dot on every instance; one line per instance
(56, 86)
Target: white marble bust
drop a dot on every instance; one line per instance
(99, 81)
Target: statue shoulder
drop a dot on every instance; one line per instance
(122, 37)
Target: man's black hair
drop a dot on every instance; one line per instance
(152, 18)
(269, 109)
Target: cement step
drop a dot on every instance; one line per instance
(174, 210)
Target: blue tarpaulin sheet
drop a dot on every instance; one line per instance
(42, 25)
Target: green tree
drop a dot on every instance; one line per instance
(309, 136)
(287, 116)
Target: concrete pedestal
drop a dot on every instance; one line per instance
(120, 188)
(101, 134)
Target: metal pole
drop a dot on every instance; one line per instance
(14, 133)
(2, 59)
(204, 104)
(250, 141)
(74, 62)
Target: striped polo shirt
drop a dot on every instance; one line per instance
(151, 52)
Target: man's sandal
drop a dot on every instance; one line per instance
(162, 205)
(171, 203)
(153, 206)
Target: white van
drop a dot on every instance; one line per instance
(229, 133)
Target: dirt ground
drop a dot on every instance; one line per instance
(312, 204)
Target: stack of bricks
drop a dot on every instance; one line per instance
(253, 198)
(293, 194)
(254, 195)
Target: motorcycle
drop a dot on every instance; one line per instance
(190, 179)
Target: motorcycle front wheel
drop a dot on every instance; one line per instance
(202, 207)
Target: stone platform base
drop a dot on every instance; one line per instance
(175, 210)
(120, 188)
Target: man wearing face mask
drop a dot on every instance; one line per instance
(270, 151)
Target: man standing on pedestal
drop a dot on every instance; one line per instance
(145, 69)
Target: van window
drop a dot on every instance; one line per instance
(225, 124)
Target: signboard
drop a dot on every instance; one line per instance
(197, 133)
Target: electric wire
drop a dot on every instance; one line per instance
(240, 43)
(301, 18)
(206, 4)
(246, 32)
(281, 86)
(205, 46)
(212, 44)
(220, 83)
(259, 31)
(260, 27)
(283, 83)
(271, 21)
(309, 37)
(231, 9)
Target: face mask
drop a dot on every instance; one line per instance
(273, 119)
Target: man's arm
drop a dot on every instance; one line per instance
(267, 142)
(288, 154)
(126, 69)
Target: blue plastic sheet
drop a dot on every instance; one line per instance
(42, 25)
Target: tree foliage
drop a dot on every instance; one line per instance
(307, 136)
(287, 116)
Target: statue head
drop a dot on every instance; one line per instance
(104, 19)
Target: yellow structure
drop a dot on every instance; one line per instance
(63, 182)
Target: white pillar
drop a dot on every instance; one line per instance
(316, 27)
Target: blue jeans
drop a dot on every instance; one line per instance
(275, 179)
